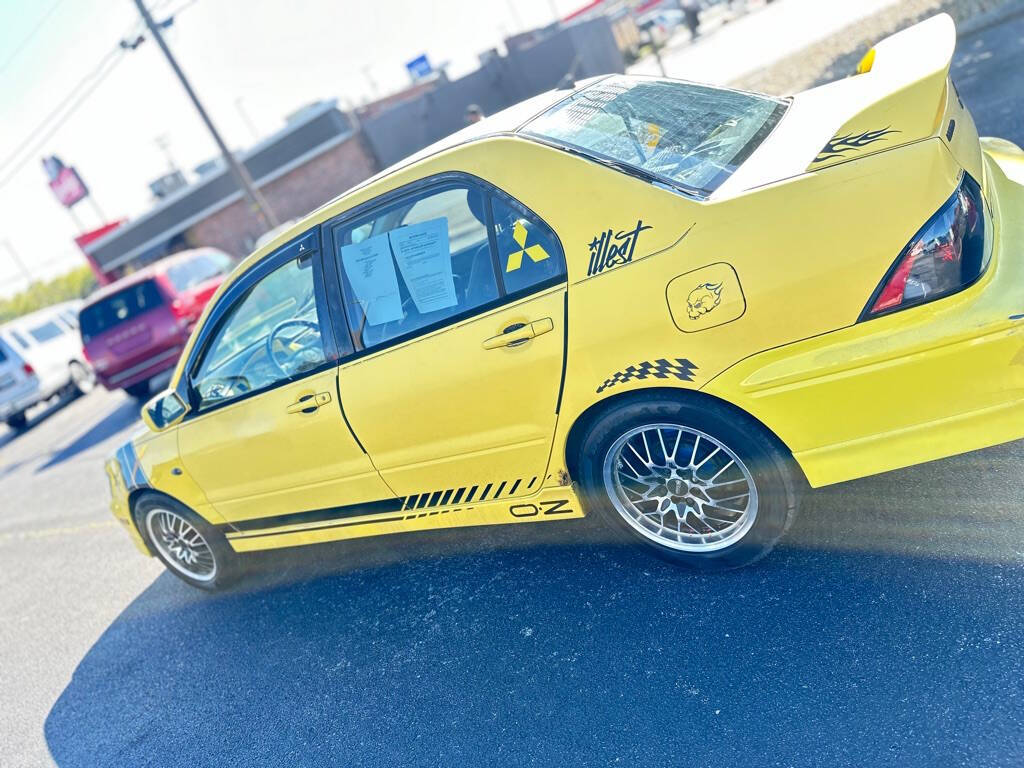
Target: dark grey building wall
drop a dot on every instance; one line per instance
(584, 50)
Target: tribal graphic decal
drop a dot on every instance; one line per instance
(660, 369)
(838, 145)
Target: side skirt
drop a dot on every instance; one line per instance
(557, 503)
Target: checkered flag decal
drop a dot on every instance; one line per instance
(660, 369)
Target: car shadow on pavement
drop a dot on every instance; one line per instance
(106, 425)
(40, 413)
(552, 645)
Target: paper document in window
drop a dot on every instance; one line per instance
(425, 261)
(371, 273)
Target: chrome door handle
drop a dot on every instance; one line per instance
(519, 333)
(310, 403)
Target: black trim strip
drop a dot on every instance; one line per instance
(512, 490)
(316, 515)
(486, 490)
(565, 353)
(458, 495)
(469, 496)
(501, 487)
(447, 495)
(344, 416)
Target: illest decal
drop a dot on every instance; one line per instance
(838, 145)
(534, 252)
(613, 249)
(660, 369)
(703, 299)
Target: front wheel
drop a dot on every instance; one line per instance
(190, 548)
(695, 483)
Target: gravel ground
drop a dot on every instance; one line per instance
(837, 56)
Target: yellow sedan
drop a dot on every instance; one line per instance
(670, 305)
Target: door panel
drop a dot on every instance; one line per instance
(255, 458)
(443, 412)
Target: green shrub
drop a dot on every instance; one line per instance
(76, 284)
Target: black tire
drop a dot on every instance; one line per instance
(139, 391)
(776, 479)
(17, 421)
(228, 566)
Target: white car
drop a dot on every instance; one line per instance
(40, 356)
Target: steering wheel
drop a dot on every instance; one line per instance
(298, 360)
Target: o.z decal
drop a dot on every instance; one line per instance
(556, 507)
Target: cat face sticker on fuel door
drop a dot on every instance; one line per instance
(705, 298)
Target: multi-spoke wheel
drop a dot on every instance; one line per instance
(191, 548)
(680, 487)
(701, 485)
(181, 545)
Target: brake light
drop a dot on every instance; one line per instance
(948, 253)
(85, 354)
(180, 312)
(28, 369)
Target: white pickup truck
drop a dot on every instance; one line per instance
(40, 356)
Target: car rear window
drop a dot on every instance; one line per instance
(190, 273)
(45, 332)
(118, 307)
(690, 136)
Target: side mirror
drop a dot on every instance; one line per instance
(163, 411)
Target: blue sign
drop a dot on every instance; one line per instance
(419, 67)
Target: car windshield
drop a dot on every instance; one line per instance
(119, 307)
(690, 136)
(192, 272)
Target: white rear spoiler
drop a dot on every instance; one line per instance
(894, 99)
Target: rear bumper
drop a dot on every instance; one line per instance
(934, 381)
(141, 371)
(19, 402)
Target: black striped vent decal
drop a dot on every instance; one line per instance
(465, 495)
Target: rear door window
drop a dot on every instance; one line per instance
(119, 307)
(18, 338)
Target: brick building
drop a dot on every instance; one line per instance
(315, 157)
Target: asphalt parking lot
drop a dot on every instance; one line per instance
(886, 630)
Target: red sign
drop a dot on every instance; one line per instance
(65, 182)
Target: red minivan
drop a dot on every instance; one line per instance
(136, 328)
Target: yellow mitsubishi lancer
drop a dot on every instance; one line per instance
(670, 305)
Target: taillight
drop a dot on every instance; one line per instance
(947, 254)
(28, 369)
(85, 354)
(180, 312)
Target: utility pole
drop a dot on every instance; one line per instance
(256, 202)
(17, 260)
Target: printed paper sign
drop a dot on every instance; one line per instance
(425, 261)
(371, 272)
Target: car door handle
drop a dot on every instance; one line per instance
(519, 333)
(310, 403)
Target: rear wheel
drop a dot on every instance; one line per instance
(696, 484)
(190, 548)
(17, 421)
(139, 391)
(82, 378)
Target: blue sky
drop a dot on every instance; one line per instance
(274, 55)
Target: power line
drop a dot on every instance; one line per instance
(71, 102)
(28, 38)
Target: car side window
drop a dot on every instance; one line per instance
(416, 262)
(271, 335)
(529, 254)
